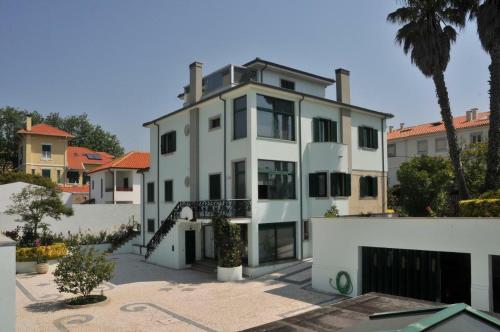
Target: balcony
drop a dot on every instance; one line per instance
(230, 208)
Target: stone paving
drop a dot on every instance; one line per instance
(146, 297)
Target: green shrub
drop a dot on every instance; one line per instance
(487, 207)
(30, 254)
(227, 241)
(491, 194)
(332, 212)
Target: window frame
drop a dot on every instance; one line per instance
(171, 191)
(330, 130)
(394, 153)
(315, 184)
(49, 157)
(168, 142)
(148, 198)
(210, 122)
(236, 174)
(287, 81)
(277, 135)
(440, 139)
(345, 189)
(275, 227)
(367, 138)
(294, 177)
(46, 170)
(150, 221)
(475, 135)
(370, 186)
(245, 111)
(210, 186)
(421, 152)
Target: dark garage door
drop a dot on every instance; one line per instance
(427, 275)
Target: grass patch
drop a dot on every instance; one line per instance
(83, 300)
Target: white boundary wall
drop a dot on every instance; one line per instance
(7, 284)
(337, 243)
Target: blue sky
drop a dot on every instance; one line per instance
(124, 62)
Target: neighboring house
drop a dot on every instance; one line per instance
(430, 139)
(263, 142)
(45, 150)
(118, 181)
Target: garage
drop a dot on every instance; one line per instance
(428, 275)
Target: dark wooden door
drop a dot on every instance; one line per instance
(190, 247)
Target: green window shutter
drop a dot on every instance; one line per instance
(333, 131)
(362, 187)
(374, 189)
(347, 182)
(360, 136)
(315, 130)
(375, 138)
(313, 185)
(334, 184)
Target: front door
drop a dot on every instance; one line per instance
(190, 247)
(209, 242)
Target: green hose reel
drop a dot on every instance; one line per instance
(343, 283)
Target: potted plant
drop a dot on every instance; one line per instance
(228, 244)
(41, 266)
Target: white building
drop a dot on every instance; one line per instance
(430, 139)
(263, 141)
(118, 181)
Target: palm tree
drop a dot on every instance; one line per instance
(488, 29)
(426, 34)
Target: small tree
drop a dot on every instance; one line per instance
(227, 241)
(82, 270)
(34, 203)
(332, 212)
(474, 160)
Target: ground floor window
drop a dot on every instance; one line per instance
(276, 241)
(151, 225)
(46, 173)
(73, 177)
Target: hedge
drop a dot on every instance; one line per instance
(488, 207)
(28, 254)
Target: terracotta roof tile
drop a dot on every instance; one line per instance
(78, 157)
(132, 160)
(45, 129)
(437, 127)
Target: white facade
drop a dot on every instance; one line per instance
(7, 284)
(115, 186)
(338, 243)
(218, 151)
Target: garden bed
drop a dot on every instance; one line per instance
(82, 302)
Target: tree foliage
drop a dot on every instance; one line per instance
(474, 162)
(82, 270)
(36, 179)
(227, 241)
(86, 133)
(35, 203)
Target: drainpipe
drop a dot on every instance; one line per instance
(157, 173)
(225, 149)
(384, 181)
(300, 181)
(143, 210)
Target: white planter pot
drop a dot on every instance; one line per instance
(230, 273)
(29, 267)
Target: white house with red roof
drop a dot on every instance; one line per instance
(118, 181)
(430, 139)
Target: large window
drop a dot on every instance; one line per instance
(368, 186)
(215, 186)
(441, 144)
(476, 138)
(151, 192)
(46, 151)
(240, 117)
(422, 147)
(169, 191)
(324, 130)
(276, 241)
(73, 177)
(168, 142)
(46, 173)
(275, 118)
(368, 137)
(391, 150)
(340, 184)
(240, 190)
(276, 179)
(318, 185)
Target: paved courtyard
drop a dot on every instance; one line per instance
(145, 297)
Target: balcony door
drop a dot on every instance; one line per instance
(239, 180)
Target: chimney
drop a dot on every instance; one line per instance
(28, 123)
(468, 116)
(473, 113)
(195, 82)
(401, 126)
(391, 129)
(343, 89)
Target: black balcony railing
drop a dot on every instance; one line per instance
(234, 208)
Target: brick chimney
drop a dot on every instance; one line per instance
(343, 88)
(195, 82)
(28, 123)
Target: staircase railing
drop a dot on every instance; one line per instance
(234, 208)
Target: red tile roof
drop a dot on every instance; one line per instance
(437, 127)
(78, 157)
(75, 189)
(132, 160)
(45, 129)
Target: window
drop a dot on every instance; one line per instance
(286, 84)
(476, 138)
(102, 188)
(32, 171)
(46, 151)
(276, 179)
(368, 186)
(151, 192)
(92, 184)
(441, 144)
(239, 180)
(169, 191)
(368, 137)
(317, 185)
(125, 183)
(275, 118)
(422, 147)
(306, 229)
(151, 225)
(276, 241)
(73, 177)
(324, 130)
(168, 142)
(391, 150)
(240, 117)
(46, 173)
(58, 176)
(215, 186)
(86, 178)
(214, 123)
(340, 184)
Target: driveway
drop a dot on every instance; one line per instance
(146, 297)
